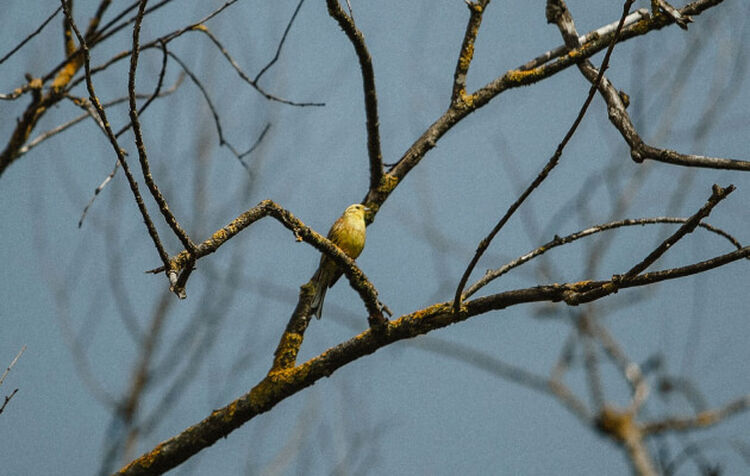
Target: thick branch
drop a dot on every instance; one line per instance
(513, 79)
(281, 384)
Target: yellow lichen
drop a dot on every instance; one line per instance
(220, 235)
(65, 74)
(467, 99)
(465, 60)
(518, 76)
(229, 413)
(387, 183)
(579, 285)
(148, 459)
(616, 423)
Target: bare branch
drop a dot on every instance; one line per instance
(551, 163)
(368, 83)
(113, 140)
(5, 374)
(28, 38)
(201, 28)
(279, 385)
(476, 10)
(616, 106)
(718, 194)
(702, 419)
(302, 232)
(605, 30)
(143, 157)
(679, 18)
(491, 275)
(281, 43)
(12, 363)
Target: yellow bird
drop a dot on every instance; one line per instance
(348, 233)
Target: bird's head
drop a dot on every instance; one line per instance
(358, 210)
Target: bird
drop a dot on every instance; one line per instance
(348, 233)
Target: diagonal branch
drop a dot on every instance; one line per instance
(491, 275)
(368, 83)
(279, 385)
(702, 419)
(201, 28)
(718, 194)
(551, 164)
(29, 37)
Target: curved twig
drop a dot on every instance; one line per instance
(551, 163)
(368, 83)
(491, 275)
(113, 140)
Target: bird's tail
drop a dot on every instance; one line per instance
(316, 306)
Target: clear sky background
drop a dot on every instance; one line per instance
(78, 298)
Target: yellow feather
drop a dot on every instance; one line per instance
(348, 233)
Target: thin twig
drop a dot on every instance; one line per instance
(215, 113)
(718, 194)
(700, 420)
(113, 140)
(142, 156)
(558, 241)
(2, 379)
(32, 35)
(199, 27)
(12, 363)
(551, 164)
(281, 43)
(370, 94)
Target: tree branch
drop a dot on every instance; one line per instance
(702, 419)
(368, 83)
(278, 385)
(551, 164)
(476, 10)
(302, 232)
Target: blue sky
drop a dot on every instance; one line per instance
(73, 296)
